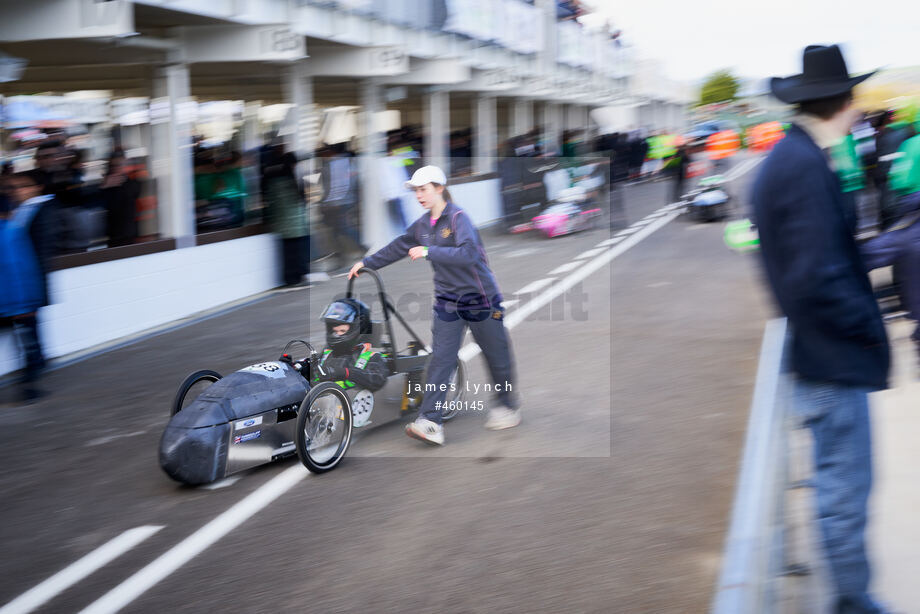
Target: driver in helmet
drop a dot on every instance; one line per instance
(346, 361)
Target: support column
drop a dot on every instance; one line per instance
(584, 116)
(568, 117)
(252, 137)
(590, 126)
(303, 123)
(522, 120)
(372, 149)
(485, 134)
(250, 144)
(172, 154)
(437, 128)
(576, 117)
(552, 127)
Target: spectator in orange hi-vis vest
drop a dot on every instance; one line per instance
(721, 146)
(764, 136)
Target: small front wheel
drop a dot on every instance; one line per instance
(193, 386)
(324, 426)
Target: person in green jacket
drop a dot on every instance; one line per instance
(848, 165)
(230, 187)
(287, 217)
(851, 173)
(904, 177)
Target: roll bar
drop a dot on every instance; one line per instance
(387, 308)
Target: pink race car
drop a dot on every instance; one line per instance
(570, 213)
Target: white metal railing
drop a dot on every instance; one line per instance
(754, 559)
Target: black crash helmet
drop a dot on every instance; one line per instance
(346, 311)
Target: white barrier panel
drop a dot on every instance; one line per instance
(480, 199)
(100, 303)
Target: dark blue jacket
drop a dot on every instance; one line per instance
(462, 278)
(23, 281)
(807, 227)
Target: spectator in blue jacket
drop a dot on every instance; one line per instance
(27, 242)
(840, 348)
(466, 294)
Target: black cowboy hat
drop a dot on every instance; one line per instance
(824, 74)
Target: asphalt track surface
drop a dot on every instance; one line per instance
(612, 496)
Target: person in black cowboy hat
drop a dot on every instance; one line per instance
(840, 352)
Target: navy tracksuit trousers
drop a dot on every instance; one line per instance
(447, 329)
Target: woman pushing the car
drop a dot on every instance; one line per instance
(466, 294)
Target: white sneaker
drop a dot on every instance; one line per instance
(502, 418)
(427, 431)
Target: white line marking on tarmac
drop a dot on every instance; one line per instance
(518, 315)
(610, 242)
(507, 304)
(194, 544)
(565, 268)
(104, 440)
(567, 282)
(743, 168)
(536, 285)
(591, 253)
(470, 350)
(75, 572)
(233, 479)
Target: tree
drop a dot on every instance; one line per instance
(720, 86)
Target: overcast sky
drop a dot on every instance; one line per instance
(696, 37)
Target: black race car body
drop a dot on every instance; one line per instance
(250, 417)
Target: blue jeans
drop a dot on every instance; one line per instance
(838, 416)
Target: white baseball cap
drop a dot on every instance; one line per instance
(426, 174)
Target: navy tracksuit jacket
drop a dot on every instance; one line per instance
(462, 278)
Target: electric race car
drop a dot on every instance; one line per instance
(710, 200)
(276, 409)
(573, 209)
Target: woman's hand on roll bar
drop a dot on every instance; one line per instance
(354, 269)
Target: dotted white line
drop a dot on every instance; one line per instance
(191, 546)
(591, 253)
(565, 268)
(610, 242)
(70, 575)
